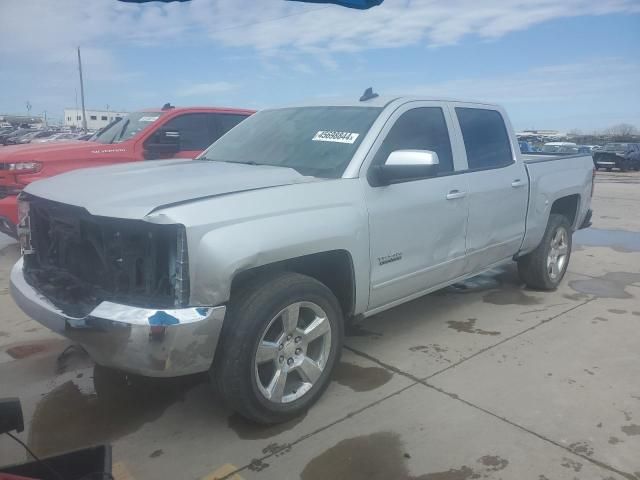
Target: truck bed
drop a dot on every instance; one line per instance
(572, 175)
(538, 157)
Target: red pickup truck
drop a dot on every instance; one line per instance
(145, 135)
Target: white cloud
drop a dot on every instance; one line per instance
(276, 25)
(211, 88)
(38, 39)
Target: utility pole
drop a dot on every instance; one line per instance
(84, 113)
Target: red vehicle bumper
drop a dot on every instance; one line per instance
(9, 215)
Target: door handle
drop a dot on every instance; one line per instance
(453, 194)
(517, 183)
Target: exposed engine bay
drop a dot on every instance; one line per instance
(78, 260)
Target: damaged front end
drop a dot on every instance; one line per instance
(78, 260)
(119, 288)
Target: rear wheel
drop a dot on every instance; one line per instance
(545, 267)
(281, 340)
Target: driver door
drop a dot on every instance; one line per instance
(417, 228)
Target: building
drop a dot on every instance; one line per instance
(96, 119)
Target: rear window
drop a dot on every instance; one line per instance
(485, 138)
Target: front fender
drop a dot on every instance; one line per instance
(233, 233)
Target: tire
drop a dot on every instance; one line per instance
(535, 269)
(256, 316)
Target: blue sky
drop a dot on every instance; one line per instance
(570, 64)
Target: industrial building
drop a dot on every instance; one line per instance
(96, 119)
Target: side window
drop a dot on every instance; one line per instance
(485, 138)
(421, 128)
(194, 130)
(224, 122)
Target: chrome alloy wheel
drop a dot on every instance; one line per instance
(292, 352)
(558, 253)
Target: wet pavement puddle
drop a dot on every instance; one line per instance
(248, 430)
(383, 456)
(361, 379)
(609, 285)
(619, 240)
(72, 416)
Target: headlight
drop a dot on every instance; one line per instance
(24, 167)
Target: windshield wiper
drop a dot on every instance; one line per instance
(250, 162)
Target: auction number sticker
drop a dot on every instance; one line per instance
(148, 119)
(337, 137)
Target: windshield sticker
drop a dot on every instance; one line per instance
(337, 137)
(148, 119)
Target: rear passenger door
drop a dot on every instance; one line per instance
(498, 187)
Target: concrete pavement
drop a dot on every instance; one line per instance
(485, 379)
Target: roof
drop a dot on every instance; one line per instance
(199, 109)
(380, 101)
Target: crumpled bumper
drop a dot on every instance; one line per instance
(151, 342)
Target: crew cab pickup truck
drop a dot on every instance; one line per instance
(248, 261)
(153, 134)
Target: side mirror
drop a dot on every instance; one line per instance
(162, 143)
(405, 165)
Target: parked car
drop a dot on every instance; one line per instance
(58, 137)
(145, 135)
(585, 148)
(9, 138)
(623, 156)
(560, 147)
(248, 261)
(31, 136)
(525, 147)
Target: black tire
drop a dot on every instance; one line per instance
(251, 309)
(533, 267)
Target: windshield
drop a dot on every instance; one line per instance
(316, 141)
(128, 127)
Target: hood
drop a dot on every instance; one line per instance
(134, 190)
(51, 151)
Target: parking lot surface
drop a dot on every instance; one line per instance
(484, 379)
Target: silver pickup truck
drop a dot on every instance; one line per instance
(248, 261)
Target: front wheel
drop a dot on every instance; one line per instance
(545, 267)
(279, 345)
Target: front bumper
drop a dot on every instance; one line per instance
(155, 343)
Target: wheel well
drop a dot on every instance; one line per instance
(333, 268)
(567, 206)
